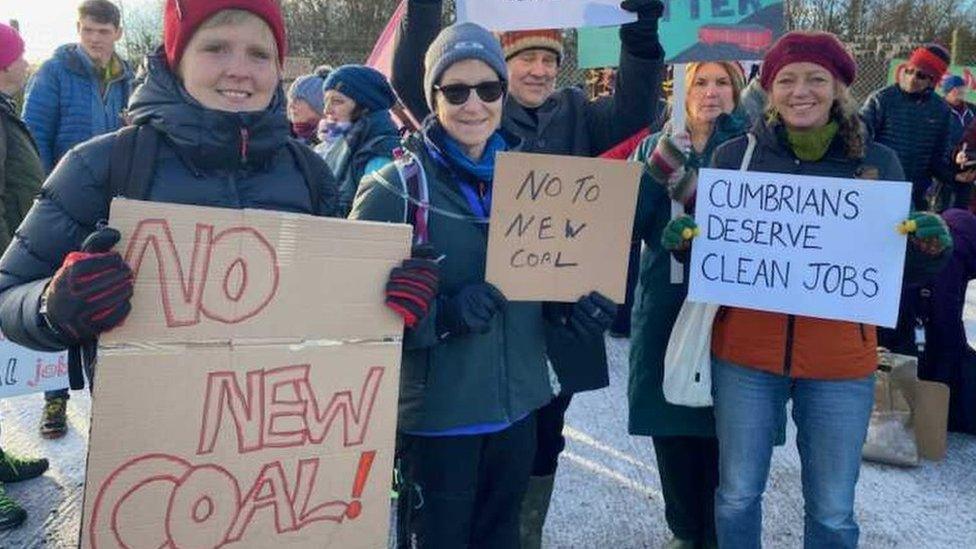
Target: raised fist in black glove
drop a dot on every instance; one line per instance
(640, 37)
(470, 311)
(592, 315)
(90, 293)
(645, 9)
(412, 286)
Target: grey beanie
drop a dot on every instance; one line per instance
(457, 43)
(309, 88)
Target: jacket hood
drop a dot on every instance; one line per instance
(373, 124)
(207, 138)
(77, 61)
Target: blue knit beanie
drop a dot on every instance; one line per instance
(460, 42)
(364, 85)
(309, 88)
(952, 82)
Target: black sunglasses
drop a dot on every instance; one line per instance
(458, 94)
(918, 74)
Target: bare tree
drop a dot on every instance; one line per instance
(142, 24)
(335, 31)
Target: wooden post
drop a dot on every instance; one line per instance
(956, 46)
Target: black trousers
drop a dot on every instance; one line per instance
(689, 476)
(549, 435)
(463, 491)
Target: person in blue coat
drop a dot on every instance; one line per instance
(82, 91)
(214, 97)
(78, 94)
(358, 134)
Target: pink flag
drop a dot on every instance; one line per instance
(382, 60)
(382, 57)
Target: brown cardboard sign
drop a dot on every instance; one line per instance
(217, 274)
(561, 226)
(276, 429)
(264, 446)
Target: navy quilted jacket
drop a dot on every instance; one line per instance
(64, 105)
(205, 158)
(916, 127)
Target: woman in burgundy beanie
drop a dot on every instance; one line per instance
(761, 359)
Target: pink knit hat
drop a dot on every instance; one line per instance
(11, 46)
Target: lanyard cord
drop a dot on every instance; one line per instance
(426, 205)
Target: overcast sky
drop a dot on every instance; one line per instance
(46, 24)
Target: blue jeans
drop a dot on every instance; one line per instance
(832, 421)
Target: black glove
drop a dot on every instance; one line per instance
(470, 311)
(90, 293)
(412, 286)
(640, 37)
(592, 315)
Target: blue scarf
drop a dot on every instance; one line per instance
(475, 178)
(331, 132)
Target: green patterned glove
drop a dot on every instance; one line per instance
(679, 232)
(930, 235)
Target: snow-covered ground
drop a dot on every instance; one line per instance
(607, 492)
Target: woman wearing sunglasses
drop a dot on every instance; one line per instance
(474, 370)
(357, 132)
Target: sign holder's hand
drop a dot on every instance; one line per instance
(678, 233)
(412, 287)
(640, 37)
(470, 311)
(90, 292)
(593, 315)
(927, 232)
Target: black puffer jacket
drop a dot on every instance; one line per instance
(205, 158)
(916, 127)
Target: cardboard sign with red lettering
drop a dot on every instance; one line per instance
(237, 407)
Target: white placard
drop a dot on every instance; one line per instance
(811, 246)
(509, 15)
(24, 370)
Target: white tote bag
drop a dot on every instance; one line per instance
(688, 360)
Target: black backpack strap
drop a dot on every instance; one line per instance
(305, 167)
(131, 166)
(322, 188)
(133, 162)
(120, 163)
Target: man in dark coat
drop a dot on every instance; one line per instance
(912, 119)
(551, 121)
(21, 175)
